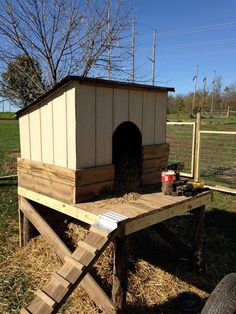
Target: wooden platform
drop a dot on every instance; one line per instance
(147, 210)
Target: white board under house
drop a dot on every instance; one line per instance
(86, 137)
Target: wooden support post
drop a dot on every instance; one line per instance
(28, 231)
(197, 248)
(120, 273)
(21, 228)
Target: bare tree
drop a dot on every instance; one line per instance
(65, 36)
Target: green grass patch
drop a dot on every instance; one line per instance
(9, 146)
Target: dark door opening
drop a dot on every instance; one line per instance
(127, 156)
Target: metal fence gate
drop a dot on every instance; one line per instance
(209, 156)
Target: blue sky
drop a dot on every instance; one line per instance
(188, 33)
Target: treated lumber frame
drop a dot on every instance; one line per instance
(144, 221)
(88, 283)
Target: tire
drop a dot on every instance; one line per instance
(223, 298)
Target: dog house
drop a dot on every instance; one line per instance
(83, 138)
(86, 136)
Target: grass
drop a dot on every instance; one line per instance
(9, 145)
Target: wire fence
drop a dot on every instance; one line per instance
(181, 137)
(9, 146)
(218, 158)
(215, 160)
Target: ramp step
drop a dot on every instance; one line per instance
(62, 281)
(42, 295)
(75, 267)
(38, 306)
(74, 262)
(87, 247)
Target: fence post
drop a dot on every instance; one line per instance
(197, 149)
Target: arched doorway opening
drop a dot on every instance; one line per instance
(127, 157)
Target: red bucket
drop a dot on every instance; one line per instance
(167, 179)
(168, 176)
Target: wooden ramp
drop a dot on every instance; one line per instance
(75, 267)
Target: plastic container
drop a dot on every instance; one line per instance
(167, 179)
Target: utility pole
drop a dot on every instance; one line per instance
(133, 43)
(213, 90)
(154, 57)
(109, 41)
(204, 92)
(195, 87)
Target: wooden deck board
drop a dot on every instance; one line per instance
(156, 205)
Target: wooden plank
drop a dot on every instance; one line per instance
(154, 164)
(120, 107)
(160, 119)
(104, 112)
(155, 151)
(84, 256)
(35, 135)
(42, 295)
(21, 217)
(221, 188)
(95, 240)
(167, 212)
(151, 177)
(44, 229)
(74, 262)
(87, 247)
(71, 126)
(94, 175)
(60, 129)
(85, 126)
(90, 191)
(136, 108)
(62, 281)
(47, 132)
(60, 206)
(47, 171)
(10, 177)
(25, 137)
(55, 289)
(120, 273)
(37, 306)
(148, 118)
(98, 295)
(57, 190)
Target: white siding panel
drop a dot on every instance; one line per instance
(60, 130)
(71, 127)
(35, 135)
(160, 127)
(121, 100)
(47, 133)
(86, 112)
(136, 108)
(104, 125)
(148, 118)
(25, 137)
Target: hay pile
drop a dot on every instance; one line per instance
(150, 288)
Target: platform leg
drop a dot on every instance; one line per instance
(199, 214)
(21, 238)
(26, 228)
(120, 273)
